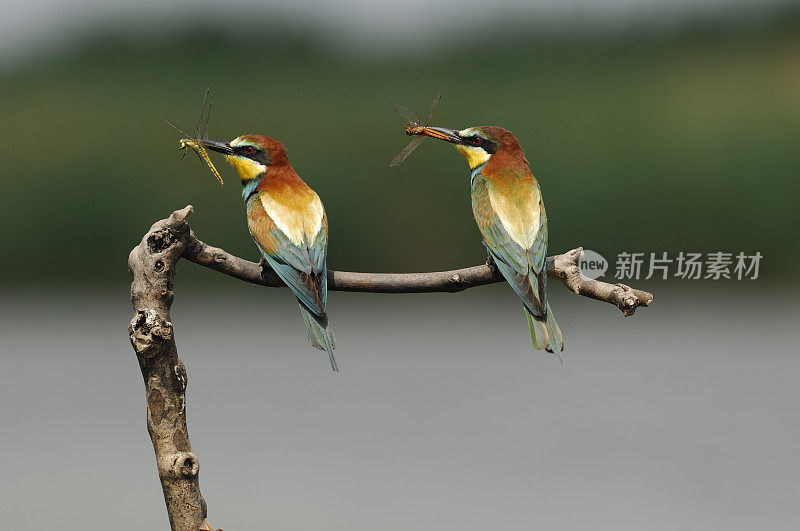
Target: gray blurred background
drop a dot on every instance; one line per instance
(653, 126)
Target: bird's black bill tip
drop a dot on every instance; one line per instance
(218, 146)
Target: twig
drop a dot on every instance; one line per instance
(152, 264)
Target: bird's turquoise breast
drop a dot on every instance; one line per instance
(475, 173)
(249, 187)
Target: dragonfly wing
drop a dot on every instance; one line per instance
(199, 124)
(407, 151)
(435, 103)
(406, 113)
(208, 118)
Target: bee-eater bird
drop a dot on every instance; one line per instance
(508, 208)
(288, 223)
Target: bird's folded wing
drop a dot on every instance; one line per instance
(522, 268)
(301, 267)
(537, 257)
(537, 254)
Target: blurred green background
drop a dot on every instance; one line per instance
(652, 125)
(674, 140)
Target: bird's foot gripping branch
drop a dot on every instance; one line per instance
(152, 264)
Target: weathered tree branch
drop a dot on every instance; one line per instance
(562, 267)
(152, 264)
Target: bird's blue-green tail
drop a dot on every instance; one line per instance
(545, 335)
(320, 337)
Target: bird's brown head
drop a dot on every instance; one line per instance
(251, 155)
(479, 144)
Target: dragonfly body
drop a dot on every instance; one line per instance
(197, 145)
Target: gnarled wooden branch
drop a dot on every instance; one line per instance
(152, 264)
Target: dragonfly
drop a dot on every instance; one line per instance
(196, 142)
(413, 127)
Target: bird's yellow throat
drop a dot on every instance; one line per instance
(475, 155)
(247, 168)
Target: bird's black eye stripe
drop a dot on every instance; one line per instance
(253, 153)
(487, 145)
(245, 150)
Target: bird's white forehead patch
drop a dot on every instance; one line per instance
(240, 141)
(467, 131)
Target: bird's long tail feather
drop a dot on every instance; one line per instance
(545, 335)
(320, 337)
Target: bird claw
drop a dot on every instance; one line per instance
(491, 263)
(266, 269)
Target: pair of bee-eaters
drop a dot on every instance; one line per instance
(288, 223)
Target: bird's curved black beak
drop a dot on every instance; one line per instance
(448, 135)
(220, 147)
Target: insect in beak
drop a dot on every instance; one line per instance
(414, 128)
(197, 143)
